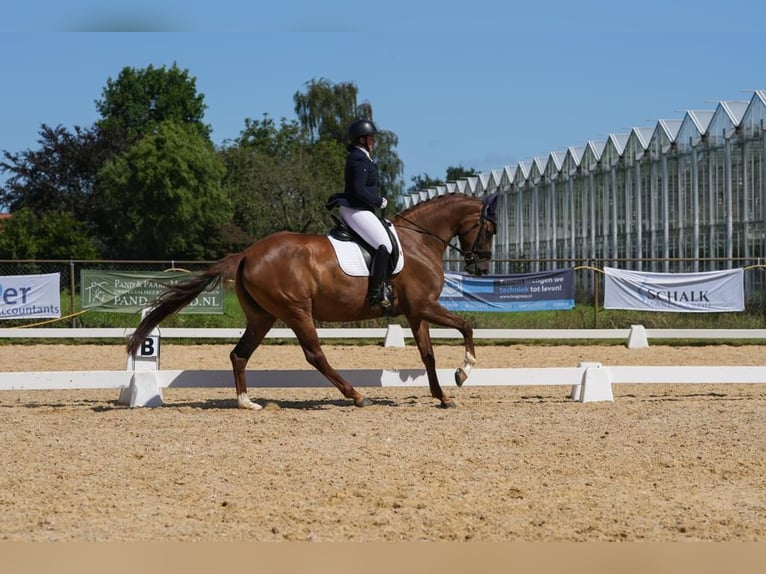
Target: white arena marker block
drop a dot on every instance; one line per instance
(394, 336)
(144, 387)
(637, 337)
(143, 391)
(576, 393)
(596, 385)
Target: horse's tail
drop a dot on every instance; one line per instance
(176, 297)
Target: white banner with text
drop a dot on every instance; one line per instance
(704, 292)
(30, 296)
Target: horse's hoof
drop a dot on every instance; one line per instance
(460, 377)
(244, 402)
(364, 402)
(448, 405)
(250, 406)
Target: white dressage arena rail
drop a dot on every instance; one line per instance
(142, 381)
(588, 382)
(394, 335)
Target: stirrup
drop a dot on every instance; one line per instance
(380, 298)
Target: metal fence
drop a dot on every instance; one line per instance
(589, 281)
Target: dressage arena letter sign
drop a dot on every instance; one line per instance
(150, 347)
(30, 296)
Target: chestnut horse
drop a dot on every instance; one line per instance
(296, 278)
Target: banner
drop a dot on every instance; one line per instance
(122, 292)
(705, 292)
(543, 291)
(30, 296)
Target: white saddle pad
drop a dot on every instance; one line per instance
(351, 258)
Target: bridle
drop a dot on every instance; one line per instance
(472, 256)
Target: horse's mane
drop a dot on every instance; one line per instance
(433, 201)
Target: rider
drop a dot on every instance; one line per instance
(357, 204)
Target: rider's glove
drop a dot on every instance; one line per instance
(383, 203)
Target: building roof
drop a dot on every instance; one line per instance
(692, 128)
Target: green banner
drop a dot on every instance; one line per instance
(123, 292)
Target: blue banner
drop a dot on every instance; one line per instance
(543, 291)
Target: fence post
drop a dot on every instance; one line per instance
(763, 292)
(71, 291)
(595, 296)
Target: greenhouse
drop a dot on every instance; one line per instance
(687, 195)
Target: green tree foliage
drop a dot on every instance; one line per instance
(145, 182)
(27, 235)
(423, 181)
(454, 173)
(326, 110)
(279, 179)
(67, 178)
(390, 167)
(164, 197)
(58, 177)
(139, 100)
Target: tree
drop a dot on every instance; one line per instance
(425, 181)
(58, 177)
(139, 100)
(326, 110)
(164, 199)
(390, 167)
(28, 235)
(455, 173)
(278, 179)
(62, 176)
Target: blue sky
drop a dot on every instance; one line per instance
(483, 85)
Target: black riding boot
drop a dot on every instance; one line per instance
(377, 293)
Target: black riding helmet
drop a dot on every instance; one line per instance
(361, 128)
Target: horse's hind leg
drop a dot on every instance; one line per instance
(240, 355)
(303, 327)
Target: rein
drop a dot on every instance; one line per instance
(471, 255)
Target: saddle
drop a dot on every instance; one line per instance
(342, 232)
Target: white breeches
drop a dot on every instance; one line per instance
(367, 225)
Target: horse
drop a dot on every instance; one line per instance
(296, 278)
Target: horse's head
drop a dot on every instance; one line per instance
(472, 220)
(476, 238)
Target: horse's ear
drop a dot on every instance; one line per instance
(490, 207)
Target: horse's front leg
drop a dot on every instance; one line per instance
(438, 315)
(461, 374)
(423, 340)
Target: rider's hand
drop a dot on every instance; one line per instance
(383, 203)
